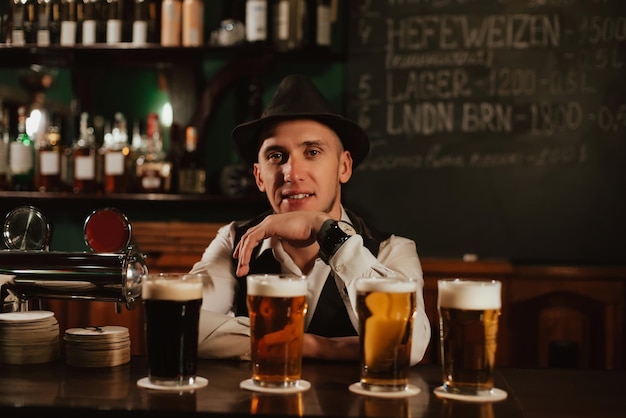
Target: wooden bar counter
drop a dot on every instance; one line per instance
(55, 389)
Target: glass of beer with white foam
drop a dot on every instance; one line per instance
(172, 304)
(385, 307)
(277, 306)
(468, 331)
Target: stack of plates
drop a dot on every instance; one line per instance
(97, 346)
(30, 337)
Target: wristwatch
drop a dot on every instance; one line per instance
(331, 237)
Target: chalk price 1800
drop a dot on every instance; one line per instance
(548, 118)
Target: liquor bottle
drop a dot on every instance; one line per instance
(21, 160)
(114, 16)
(141, 22)
(4, 148)
(54, 21)
(44, 17)
(116, 154)
(84, 158)
(49, 151)
(317, 23)
(90, 20)
(153, 171)
(18, 17)
(191, 170)
(67, 35)
(256, 21)
(171, 21)
(30, 21)
(288, 22)
(193, 23)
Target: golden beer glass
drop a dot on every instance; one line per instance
(385, 307)
(277, 306)
(468, 330)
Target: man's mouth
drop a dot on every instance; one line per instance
(297, 196)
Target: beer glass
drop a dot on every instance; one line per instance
(385, 307)
(277, 307)
(172, 304)
(468, 330)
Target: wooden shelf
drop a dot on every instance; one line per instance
(144, 197)
(126, 55)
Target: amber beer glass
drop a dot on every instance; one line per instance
(468, 330)
(386, 307)
(277, 307)
(172, 304)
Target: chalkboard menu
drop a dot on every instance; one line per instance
(498, 127)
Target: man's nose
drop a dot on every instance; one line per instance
(292, 170)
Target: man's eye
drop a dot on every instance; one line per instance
(313, 152)
(275, 156)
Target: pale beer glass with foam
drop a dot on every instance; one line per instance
(386, 308)
(172, 304)
(468, 331)
(277, 306)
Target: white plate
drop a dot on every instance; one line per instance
(300, 386)
(411, 390)
(494, 396)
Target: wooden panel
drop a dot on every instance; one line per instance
(566, 311)
(575, 311)
(173, 246)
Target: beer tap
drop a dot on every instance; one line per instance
(112, 271)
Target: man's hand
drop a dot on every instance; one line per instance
(336, 348)
(298, 229)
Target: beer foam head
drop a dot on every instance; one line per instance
(387, 285)
(276, 285)
(172, 287)
(469, 294)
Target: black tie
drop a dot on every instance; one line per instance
(330, 318)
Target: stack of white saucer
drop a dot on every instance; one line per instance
(30, 337)
(105, 346)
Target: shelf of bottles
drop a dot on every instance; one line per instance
(123, 32)
(123, 160)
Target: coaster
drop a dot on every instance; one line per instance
(494, 396)
(411, 390)
(199, 383)
(300, 386)
(25, 316)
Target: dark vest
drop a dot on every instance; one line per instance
(330, 318)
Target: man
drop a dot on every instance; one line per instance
(302, 153)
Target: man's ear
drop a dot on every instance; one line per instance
(257, 177)
(345, 167)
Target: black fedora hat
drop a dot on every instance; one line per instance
(298, 98)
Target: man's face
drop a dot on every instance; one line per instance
(302, 165)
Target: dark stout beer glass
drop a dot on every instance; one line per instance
(386, 307)
(172, 304)
(468, 324)
(277, 307)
